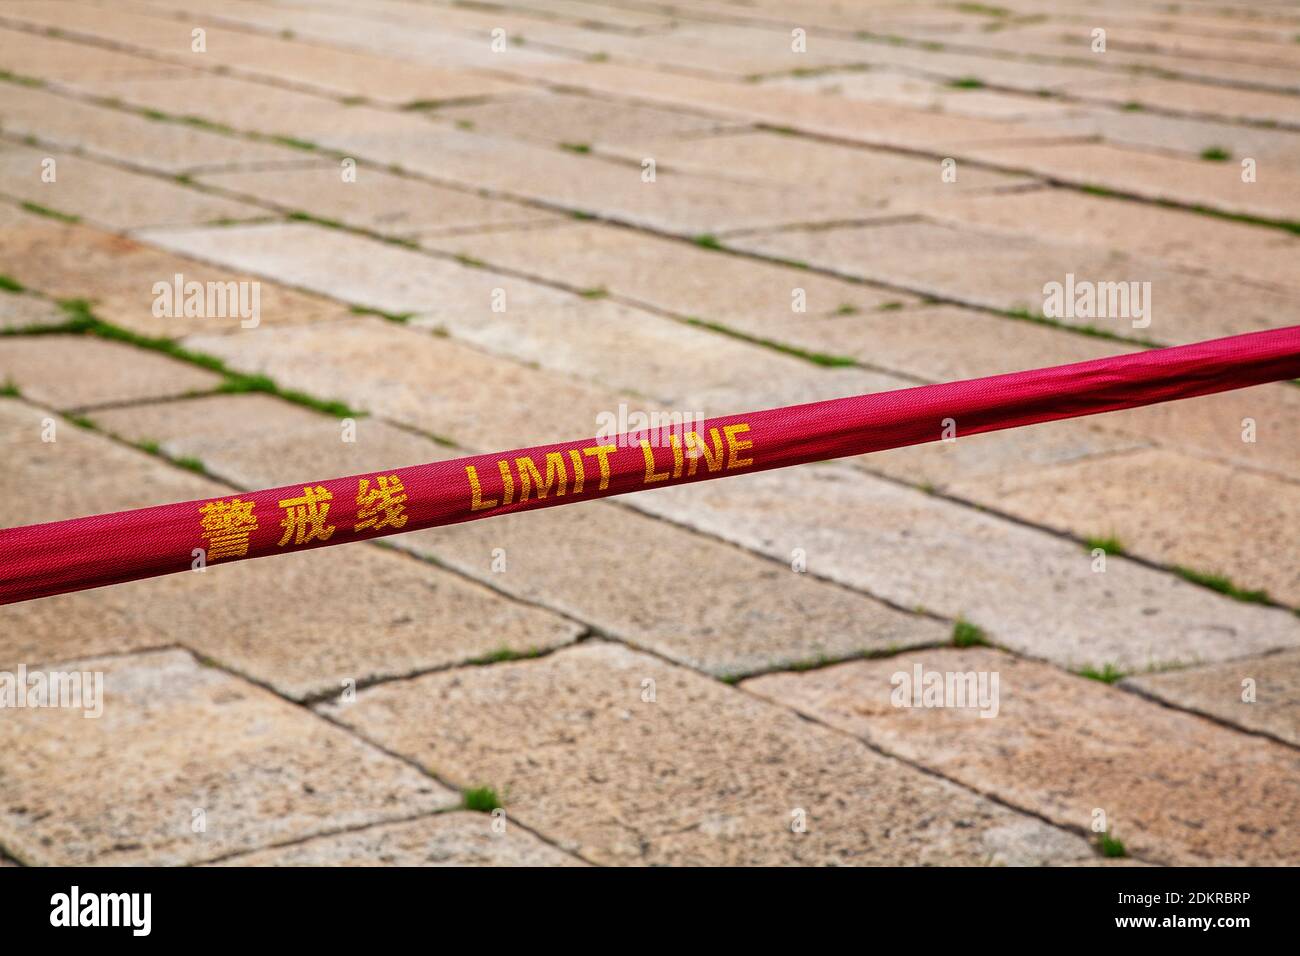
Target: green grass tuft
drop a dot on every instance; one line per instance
(399, 317)
(1109, 674)
(967, 83)
(596, 293)
(966, 634)
(983, 10)
(1215, 154)
(1133, 106)
(580, 148)
(707, 241)
(482, 800)
(1217, 582)
(9, 389)
(49, 213)
(10, 284)
(817, 358)
(1110, 544)
(1110, 846)
(294, 143)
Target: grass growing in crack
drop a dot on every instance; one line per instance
(1109, 674)
(399, 317)
(417, 106)
(983, 10)
(597, 293)
(966, 83)
(482, 800)
(889, 306)
(1220, 583)
(9, 284)
(817, 358)
(1092, 331)
(707, 241)
(1109, 544)
(49, 213)
(1215, 154)
(464, 124)
(21, 80)
(581, 149)
(966, 634)
(300, 216)
(847, 309)
(9, 389)
(1286, 225)
(295, 143)
(504, 654)
(1133, 106)
(1110, 846)
(190, 463)
(83, 321)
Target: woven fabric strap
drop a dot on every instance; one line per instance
(46, 559)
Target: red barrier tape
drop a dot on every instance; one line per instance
(45, 559)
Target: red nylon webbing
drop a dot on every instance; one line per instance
(45, 559)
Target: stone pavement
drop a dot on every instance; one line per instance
(446, 227)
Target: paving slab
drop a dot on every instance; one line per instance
(1198, 99)
(867, 179)
(971, 465)
(1155, 176)
(1217, 426)
(753, 297)
(110, 196)
(180, 746)
(443, 839)
(1260, 694)
(377, 200)
(120, 274)
(885, 86)
(1275, 149)
(1029, 590)
(710, 606)
(1189, 512)
(616, 779)
(443, 387)
(555, 118)
(61, 121)
(941, 343)
(1010, 272)
(19, 311)
(49, 58)
(81, 371)
(235, 103)
(682, 366)
(359, 270)
(1187, 239)
(1175, 788)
